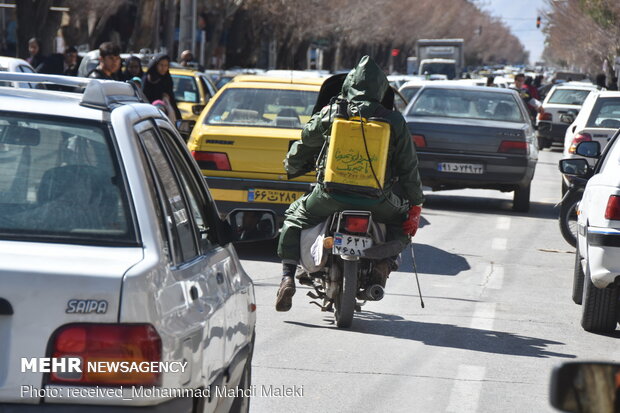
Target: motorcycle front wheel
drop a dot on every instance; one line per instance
(568, 217)
(345, 301)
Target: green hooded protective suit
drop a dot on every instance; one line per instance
(364, 87)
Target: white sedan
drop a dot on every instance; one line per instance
(597, 121)
(597, 263)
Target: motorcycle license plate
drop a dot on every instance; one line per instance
(345, 244)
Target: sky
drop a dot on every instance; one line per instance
(520, 17)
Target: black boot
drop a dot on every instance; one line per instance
(284, 298)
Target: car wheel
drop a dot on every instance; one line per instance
(599, 307)
(521, 199)
(578, 277)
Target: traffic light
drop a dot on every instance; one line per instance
(395, 52)
(538, 22)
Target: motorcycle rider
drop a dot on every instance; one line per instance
(364, 87)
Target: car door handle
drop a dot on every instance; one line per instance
(5, 307)
(219, 278)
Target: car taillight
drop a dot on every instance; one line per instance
(516, 147)
(217, 161)
(580, 137)
(419, 141)
(613, 208)
(108, 347)
(356, 224)
(545, 116)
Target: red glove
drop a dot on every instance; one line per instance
(410, 226)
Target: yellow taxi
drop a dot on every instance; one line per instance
(241, 139)
(192, 90)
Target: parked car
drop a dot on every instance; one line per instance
(243, 135)
(596, 277)
(192, 90)
(12, 64)
(112, 250)
(473, 137)
(597, 121)
(561, 100)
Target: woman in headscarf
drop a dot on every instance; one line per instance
(133, 68)
(157, 83)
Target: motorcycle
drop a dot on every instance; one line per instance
(337, 260)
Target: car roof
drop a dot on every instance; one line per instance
(184, 71)
(12, 61)
(455, 85)
(609, 94)
(47, 102)
(312, 81)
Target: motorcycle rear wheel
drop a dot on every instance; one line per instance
(345, 301)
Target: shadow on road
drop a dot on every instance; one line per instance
(483, 205)
(432, 260)
(448, 336)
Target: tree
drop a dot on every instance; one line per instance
(34, 19)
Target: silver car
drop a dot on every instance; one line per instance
(112, 251)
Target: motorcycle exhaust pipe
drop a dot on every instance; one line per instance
(372, 293)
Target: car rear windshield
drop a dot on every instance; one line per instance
(185, 89)
(467, 104)
(409, 92)
(436, 68)
(59, 181)
(569, 96)
(271, 108)
(605, 114)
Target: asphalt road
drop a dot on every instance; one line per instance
(498, 318)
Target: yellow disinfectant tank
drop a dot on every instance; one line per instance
(348, 168)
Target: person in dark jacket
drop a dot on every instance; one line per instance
(36, 58)
(62, 64)
(364, 87)
(133, 68)
(157, 83)
(109, 62)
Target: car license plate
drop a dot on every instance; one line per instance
(345, 244)
(460, 168)
(273, 196)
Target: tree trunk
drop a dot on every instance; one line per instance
(145, 27)
(34, 19)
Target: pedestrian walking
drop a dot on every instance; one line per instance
(157, 83)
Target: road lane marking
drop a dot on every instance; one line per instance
(465, 394)
(496, 279)
(484, 316)
(503, 223)
(499, 243)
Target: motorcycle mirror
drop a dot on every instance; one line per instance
(576, 167)
(582, 387)
(250, 225)
(589, 149)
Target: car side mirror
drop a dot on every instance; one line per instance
(250, 225)
(197, 109)
(185, 127)
(589, 149)
(580, 387)
(577, 167)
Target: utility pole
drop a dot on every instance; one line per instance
(187, 26)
